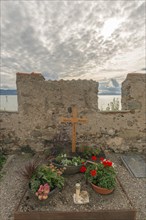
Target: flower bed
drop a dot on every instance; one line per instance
(61, 206)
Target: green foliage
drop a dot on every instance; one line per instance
(34, 184)
(62, 159)
(90, 151)
(105, 177)
(2, 160)
(113, 106)
(107, 182)
(47, 174)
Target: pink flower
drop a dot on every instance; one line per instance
(43, 191)
(41, 188)
(46, 188)
(40, 197)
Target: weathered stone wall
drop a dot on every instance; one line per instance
(41, 104)
(133, 92)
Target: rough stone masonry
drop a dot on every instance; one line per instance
(41, 104)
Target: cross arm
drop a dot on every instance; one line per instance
(83, 120)
(65, 120)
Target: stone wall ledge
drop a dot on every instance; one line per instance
(27, 74)
(9, 112)
(116, 112)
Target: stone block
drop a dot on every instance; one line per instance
(129, 134)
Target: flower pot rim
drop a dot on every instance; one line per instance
(54, 162)
(101, 187)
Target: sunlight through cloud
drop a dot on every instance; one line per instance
(110, 26)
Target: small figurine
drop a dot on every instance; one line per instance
(80, 197)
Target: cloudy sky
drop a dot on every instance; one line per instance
(72, 39)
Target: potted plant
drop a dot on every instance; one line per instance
(71, 165)
(102, 176)
(45, 180)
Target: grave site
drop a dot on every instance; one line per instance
(66, 159)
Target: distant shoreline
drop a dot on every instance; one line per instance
(5, 94)
(8, 92)
(109, 94)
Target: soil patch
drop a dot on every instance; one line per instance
(63, 201)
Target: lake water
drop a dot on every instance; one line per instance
(9, 102)
(104, 100)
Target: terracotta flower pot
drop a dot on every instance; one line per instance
(100, 190)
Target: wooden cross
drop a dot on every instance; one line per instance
(74, 121)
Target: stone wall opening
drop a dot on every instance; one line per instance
(109, 95)
(9, 103)
(109, 102)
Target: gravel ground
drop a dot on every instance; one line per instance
(135, 187)
(11, 186)
(12, 189)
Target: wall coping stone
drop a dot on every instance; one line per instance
(116, 112)
(26, 74)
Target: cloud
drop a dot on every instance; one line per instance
(72, 39)
(109, 87)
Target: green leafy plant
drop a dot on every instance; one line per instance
(90, 151)
(102, 174)
(64, 160)
(45, 179)
(113, 106)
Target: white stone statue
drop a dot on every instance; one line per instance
(80, 197)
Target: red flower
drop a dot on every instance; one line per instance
(83, 162)
(107, 163)
(83, 169)
(94, 158)
(93, 172)
(101, 158)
